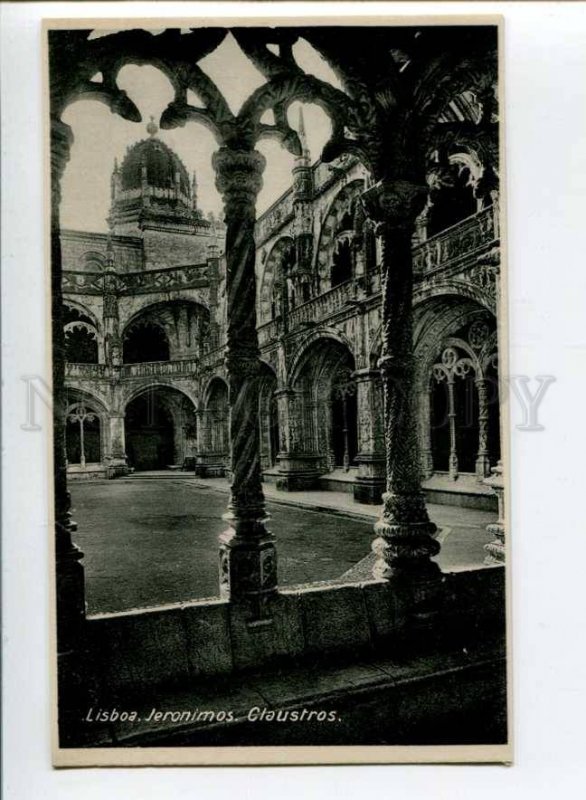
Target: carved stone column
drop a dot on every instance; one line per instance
(297, 468)
(110, 313)
(405, 543)
(203, 442)
(117, 464)
(482, 459)
(427, 469)
(370, 482)
(69, 571)
(248, 564)
(453, 457)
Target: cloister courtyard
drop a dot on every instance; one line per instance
(152, 538)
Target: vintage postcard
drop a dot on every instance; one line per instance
(280, 459)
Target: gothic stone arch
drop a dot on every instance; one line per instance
(338, 221)
(272, 273)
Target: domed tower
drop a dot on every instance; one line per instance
(154, 199)
(151, 186)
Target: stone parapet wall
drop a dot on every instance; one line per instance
(175, 645)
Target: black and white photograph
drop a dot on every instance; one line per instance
(280, 456)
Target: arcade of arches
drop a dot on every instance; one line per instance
(147, 365)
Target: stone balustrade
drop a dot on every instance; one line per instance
(187, 366)
(461, 241)
(324, 305)
(268, 332)
(146, 369)
(87, 371)
(185, 277)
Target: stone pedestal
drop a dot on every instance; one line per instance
(370, 481)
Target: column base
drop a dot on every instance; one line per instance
(495, 551)
(117, 468)
(482, 468)
(371, 480)
(248, 571)
(297, 473)
(405, 542)
(368, 491)
(212, 465)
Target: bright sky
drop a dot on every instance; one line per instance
(101, 136)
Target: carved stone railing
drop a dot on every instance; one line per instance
(163, 279)
(324, 305)
(146, 369)
(268, 332)
(152, 368)
(191, 276)
(272, 220)
(86, 371)
(77, 282)
(460, 241)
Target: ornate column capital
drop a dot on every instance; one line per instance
(238, 179)
(394, 205)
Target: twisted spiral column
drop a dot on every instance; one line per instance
(404, 543)
(248, 567)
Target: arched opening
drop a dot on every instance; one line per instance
(268, 418)
(341, 263)
(167, 331)
(452, 201)
(143, 342)
(334, 262)
(160, 429)
(274, 286)
(463, 394)
(83, 435)
(454, 406)
(218, 421)
(81, 337)
(344, 417)
(324, 406)
(455, 345)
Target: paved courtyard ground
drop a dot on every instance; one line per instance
(152, 540)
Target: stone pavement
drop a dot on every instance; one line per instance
(152, 538)
(462, 530)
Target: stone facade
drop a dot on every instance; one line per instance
(318, 277)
